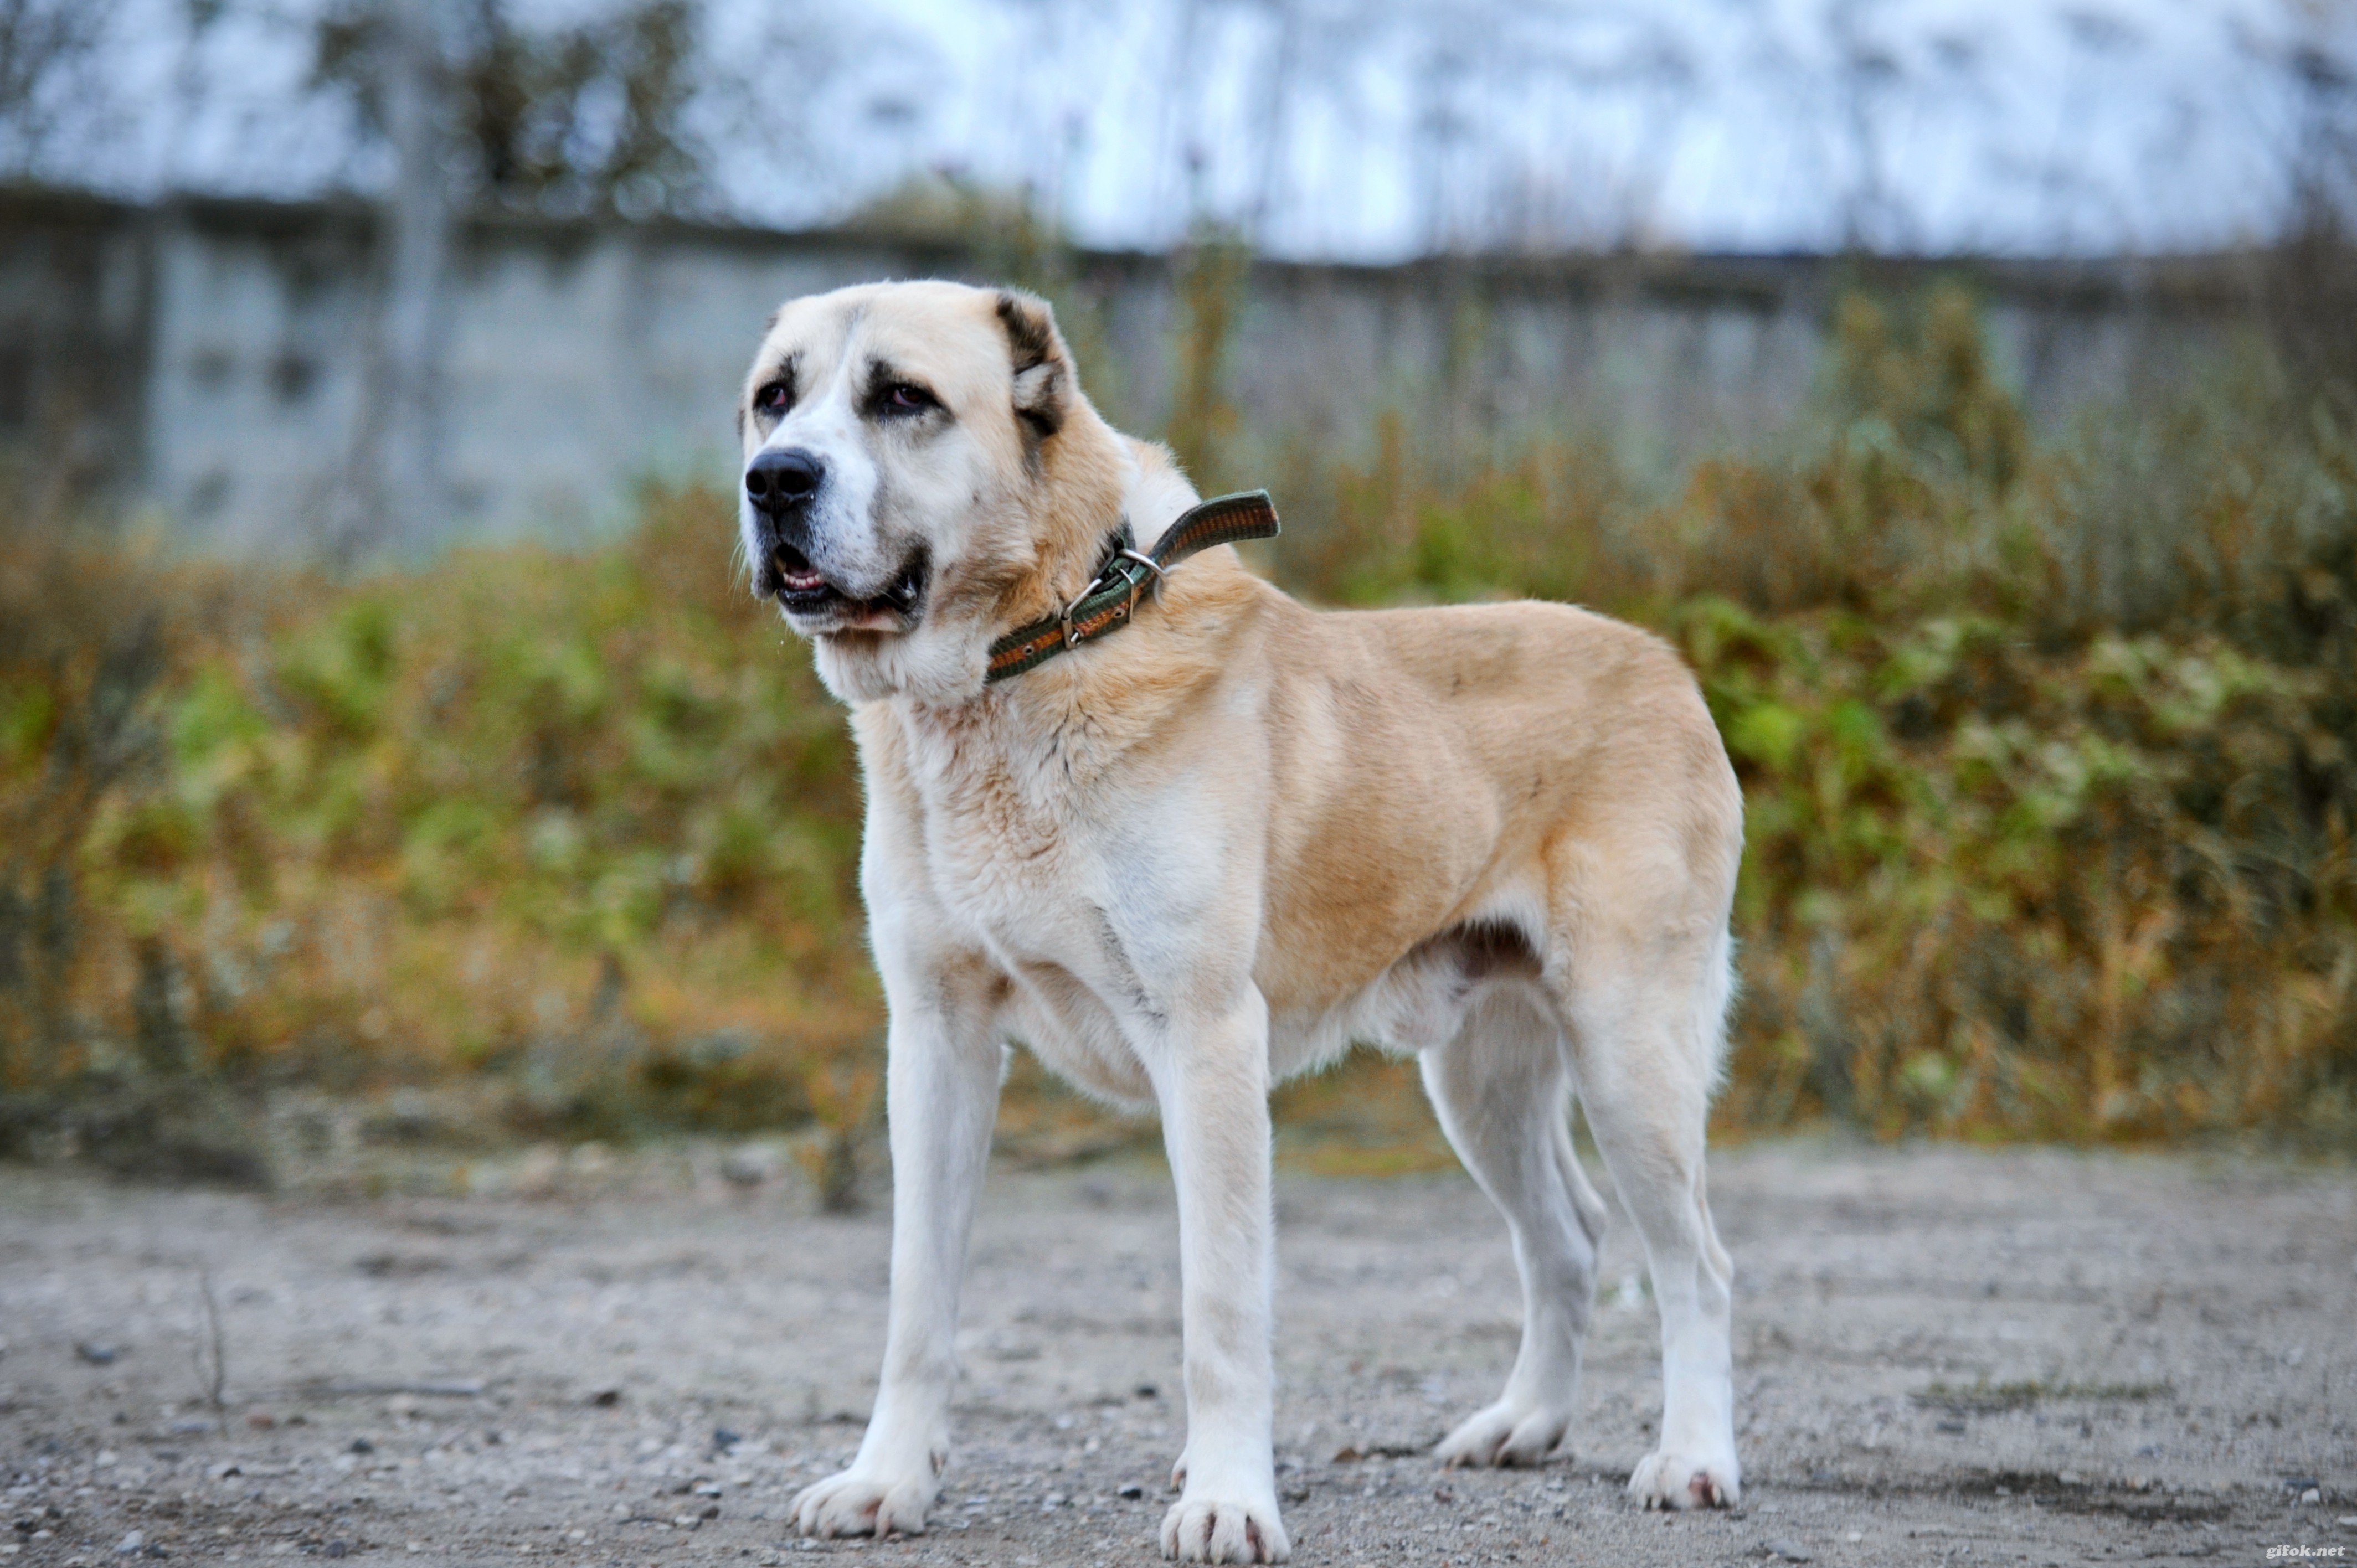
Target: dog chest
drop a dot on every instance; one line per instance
(1000, 841)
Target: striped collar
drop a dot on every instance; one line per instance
(1110, 597)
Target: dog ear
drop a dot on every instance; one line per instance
(1043, 373)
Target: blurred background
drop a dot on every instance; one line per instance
(395, 772)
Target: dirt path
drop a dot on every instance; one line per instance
(1943, 1355)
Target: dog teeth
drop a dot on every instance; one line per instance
(792, 576)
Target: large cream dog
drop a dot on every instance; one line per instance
(1183, 861)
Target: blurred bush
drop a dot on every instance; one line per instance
(2047, 746)
(577, 823)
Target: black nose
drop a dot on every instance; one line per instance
(776, 480)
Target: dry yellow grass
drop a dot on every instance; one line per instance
(2048, 748)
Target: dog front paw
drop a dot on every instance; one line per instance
(859, 1502)
(1207, 1530)
(1505, 1435)
(1666, 1480)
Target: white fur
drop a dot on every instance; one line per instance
(1038, 870)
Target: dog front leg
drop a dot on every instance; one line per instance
(942, 1095)
(1214, 1095)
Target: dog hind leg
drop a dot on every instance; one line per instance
(1502, 1096)
(1645, 1026)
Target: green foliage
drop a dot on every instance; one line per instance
(2047, 750)
(2046, 837)
(520, 801)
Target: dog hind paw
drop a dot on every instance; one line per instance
(857, 1504)
(1665, 1480)
(1198, 1529)
(1504, 1435)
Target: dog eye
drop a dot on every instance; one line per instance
(771, 397)
(906, 397)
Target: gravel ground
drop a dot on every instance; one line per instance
(1943, 1355)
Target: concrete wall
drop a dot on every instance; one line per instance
(204, 357)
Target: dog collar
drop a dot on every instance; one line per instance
(1105, 605)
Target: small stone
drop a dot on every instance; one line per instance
(98, 1354)
(2313, 1495)
(1790, 1550)
(1131, 1491)
(708, 1489)
(361, 1445)
(131, 1542)
(1146, 1391)
(750, 1165)
(2067, 1477)
(606, 1399)
(724, 1438)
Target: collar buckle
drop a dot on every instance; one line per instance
(1125, 574)
(1136, 583)
(1118, 569)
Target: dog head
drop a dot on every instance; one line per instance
(920, 474)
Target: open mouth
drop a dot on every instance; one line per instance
(802, 590)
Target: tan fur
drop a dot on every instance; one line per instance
(1214, 849)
